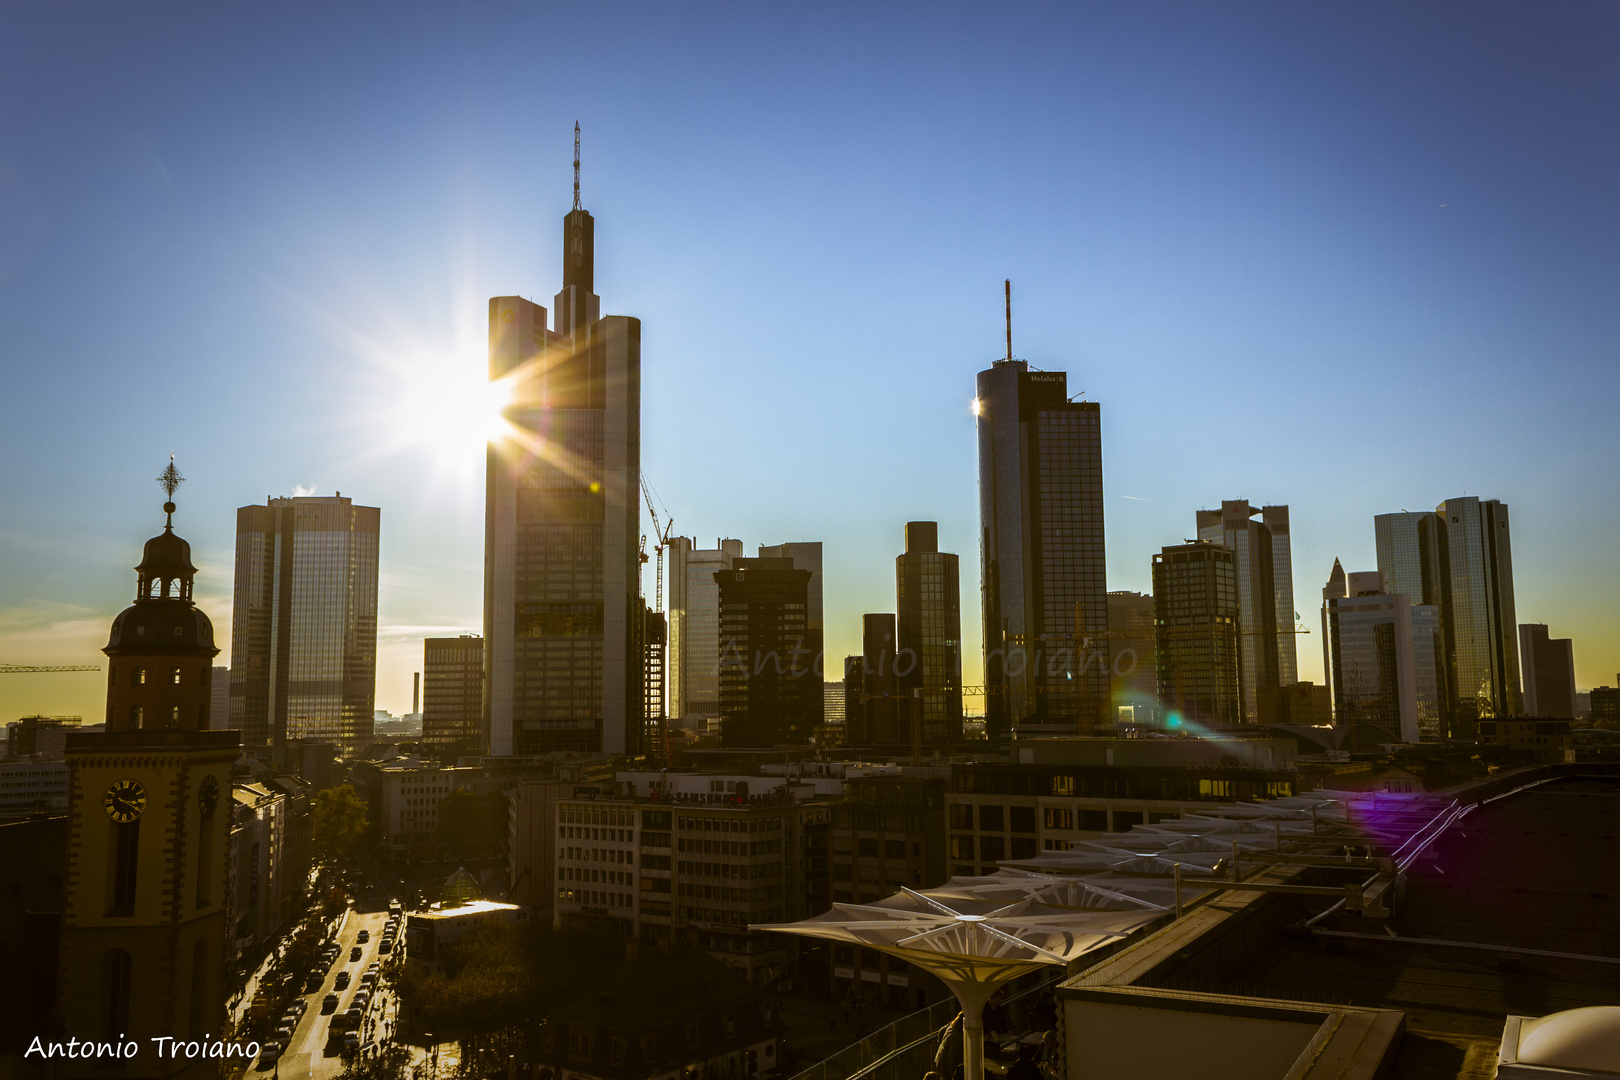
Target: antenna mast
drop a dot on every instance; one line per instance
(576, 164)
(1009, 315)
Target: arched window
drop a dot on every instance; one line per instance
(116, 974)
(126, 861)
(174, 716)
(174, 677)
(138, 676)
(135, 715)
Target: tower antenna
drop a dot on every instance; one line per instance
(576, 164)
(1009, 318)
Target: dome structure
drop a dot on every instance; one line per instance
(1574, 1043)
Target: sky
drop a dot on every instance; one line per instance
(1354, 258)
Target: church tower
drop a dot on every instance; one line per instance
(144, 922)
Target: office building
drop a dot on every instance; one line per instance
(1297, 703)
(453, 693)
(832, 703)
(928, 625)
(1043, 575)
(1382, 661)
(806, 555)
(304, 622)
(1605, 705)
(1265, 584)
(562, 601)
(1480, 625)
(143, 922)
(874, 713)
(43, 738)
(219, 705)
(1549, 673)
(34, 787)
(1132, 658)
(1196, 616)
(770, 684)
(1460, 560)
(694, 630)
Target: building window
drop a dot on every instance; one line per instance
(138, 676)
(961, 846)
(174, 677)
(126, 845)
(1059, 818)
(1023, 818)
(992, 849)
(962, 817)
(990, 818)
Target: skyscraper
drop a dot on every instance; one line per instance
(1195, 610)
(1549, 673)
(1265, 585)
(806, 555)
(1382, 653)
(929, 632)
(453, 693)
(1481, 627)
(562, 598)
(304, 622)
(1133, 664)
(694, 630)
(872, 711)
(143, 919)
(770, 686)
(1042, 573)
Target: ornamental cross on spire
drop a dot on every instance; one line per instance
(170, 480)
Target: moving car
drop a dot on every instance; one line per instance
(342, 981)
(329, 1003)
(355, 953)
(363, 937)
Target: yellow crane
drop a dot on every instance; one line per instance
(18, 669)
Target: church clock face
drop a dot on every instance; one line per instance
(208, 796)
(125, 800)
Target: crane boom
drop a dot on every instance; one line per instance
(16, 669)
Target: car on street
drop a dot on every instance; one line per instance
(363, 937)
(351, 1018)
(386, 947)
(341, 982)
(355, 953)
(268, 1054)
(351, 1043)
(329, 1003)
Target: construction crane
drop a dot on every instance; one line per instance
(661, 535)
(18, 669)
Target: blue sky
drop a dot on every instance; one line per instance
(1354, 258)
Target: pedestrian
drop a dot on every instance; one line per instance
(1024, 1068)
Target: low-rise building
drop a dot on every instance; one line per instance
(30, 788)
(268, 858)
(427, 933)
(1548, 741)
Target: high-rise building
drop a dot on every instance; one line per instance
(304, 622)
(928, 627)
(1265, 581)
(806, 555)
(873, 711)
(1480, 625)
(453, 693)
(1297, 703)
(694, 630)
(1196, 617)
(1382, 660)
(770, 684)
(1132, 664)
(1411, 554)
(143, 921)
(562, 598)
(1549, 673)
(219, 704)
(832, 703)
(1043, 574)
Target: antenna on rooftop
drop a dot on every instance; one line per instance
(576, 164)
(1009, 318)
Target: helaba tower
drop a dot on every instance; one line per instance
(562, 656)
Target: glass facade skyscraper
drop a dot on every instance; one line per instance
(1043, 570)
(453, 693)
(1382, 660)
(304, 622)
(929, 631)
(563, 656)
(1265, 582)
(1196, 619)
(770, 674)
(694, 630)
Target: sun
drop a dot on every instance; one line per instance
(452, 408)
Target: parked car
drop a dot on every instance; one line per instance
(386, 947)
(329, 1003)
(361, 1000)
(268, 1054)
(351, 1043)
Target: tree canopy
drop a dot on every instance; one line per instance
(340, 820)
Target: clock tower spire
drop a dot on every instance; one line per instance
(143, 922)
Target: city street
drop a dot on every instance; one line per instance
(306, 1055)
